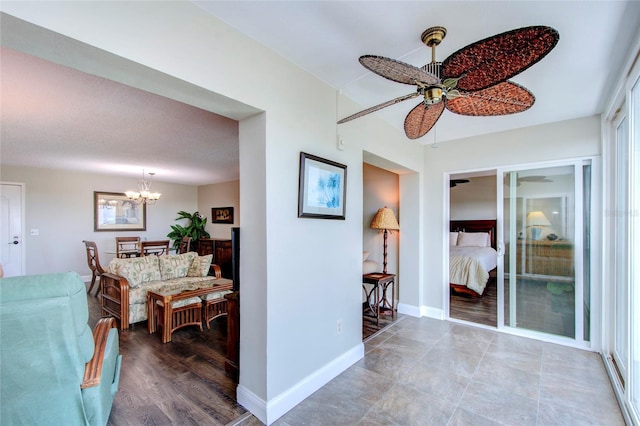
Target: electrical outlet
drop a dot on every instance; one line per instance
(339, 327)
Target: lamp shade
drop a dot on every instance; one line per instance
(537, 218)
(385, 219)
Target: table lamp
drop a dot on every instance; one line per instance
(386, 221)
(536, 220)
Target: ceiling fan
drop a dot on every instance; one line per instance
(456, 182)
(472, 81)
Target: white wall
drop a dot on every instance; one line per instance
(59, 204)
(223, 194)
(474, 200)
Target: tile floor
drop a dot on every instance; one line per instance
(422, 371)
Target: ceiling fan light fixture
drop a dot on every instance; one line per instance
(433, 95)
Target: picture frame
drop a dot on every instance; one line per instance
(322, 191)
(113, 211)
(222, 215)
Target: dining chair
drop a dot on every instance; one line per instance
(94, 264)
(159, 247)
(185, 245)
(127, 247)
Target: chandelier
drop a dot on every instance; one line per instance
(144, 194)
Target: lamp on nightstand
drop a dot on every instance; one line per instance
(536, 220)
(386, 221)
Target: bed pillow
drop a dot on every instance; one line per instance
(473, 239)
(453, 238)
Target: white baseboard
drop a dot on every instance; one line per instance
(269, 412)
(410, 310)
(427, 311)
(420, 311)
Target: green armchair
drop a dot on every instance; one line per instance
(53, 370)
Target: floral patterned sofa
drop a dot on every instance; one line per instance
(125, 285)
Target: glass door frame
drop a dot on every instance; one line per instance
(578, 164)
(626, 97)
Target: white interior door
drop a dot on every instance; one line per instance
(11, 232)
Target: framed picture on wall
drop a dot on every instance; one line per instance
(113, 211)
(222, 215)
(322, 188)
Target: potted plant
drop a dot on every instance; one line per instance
(195, 228)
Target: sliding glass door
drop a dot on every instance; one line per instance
(621, 259)
(545, 253)
(621, 240)
(634, 249)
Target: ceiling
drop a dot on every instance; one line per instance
(75, 120)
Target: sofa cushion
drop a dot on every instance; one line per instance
(175, 266)
(137, 270)
(200, 266)
(215, 295)
(180, 303)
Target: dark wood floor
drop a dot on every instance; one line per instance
(478, 310)
(369, 326)
(537, 309)
(184, 381)
(181, 382)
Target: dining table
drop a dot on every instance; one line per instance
(137, 251)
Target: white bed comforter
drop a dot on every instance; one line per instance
(470, 266)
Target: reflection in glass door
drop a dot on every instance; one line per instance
(542, 279)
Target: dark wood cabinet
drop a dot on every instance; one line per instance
(221, 250)
(232, 362)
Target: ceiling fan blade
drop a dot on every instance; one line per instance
(455, 182)
(397, 71)
(379, 106)
(498, 58)
(421, 119)
(502, 99)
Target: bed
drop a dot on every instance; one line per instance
(472, 255)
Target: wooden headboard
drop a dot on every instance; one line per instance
(483, 225)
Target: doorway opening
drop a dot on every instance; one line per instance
(472, 209)
(381, 188)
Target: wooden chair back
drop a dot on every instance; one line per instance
(185, 245)
(93, 260)
(127, 246)
(159, 247)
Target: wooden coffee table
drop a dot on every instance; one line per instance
(175, 318)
